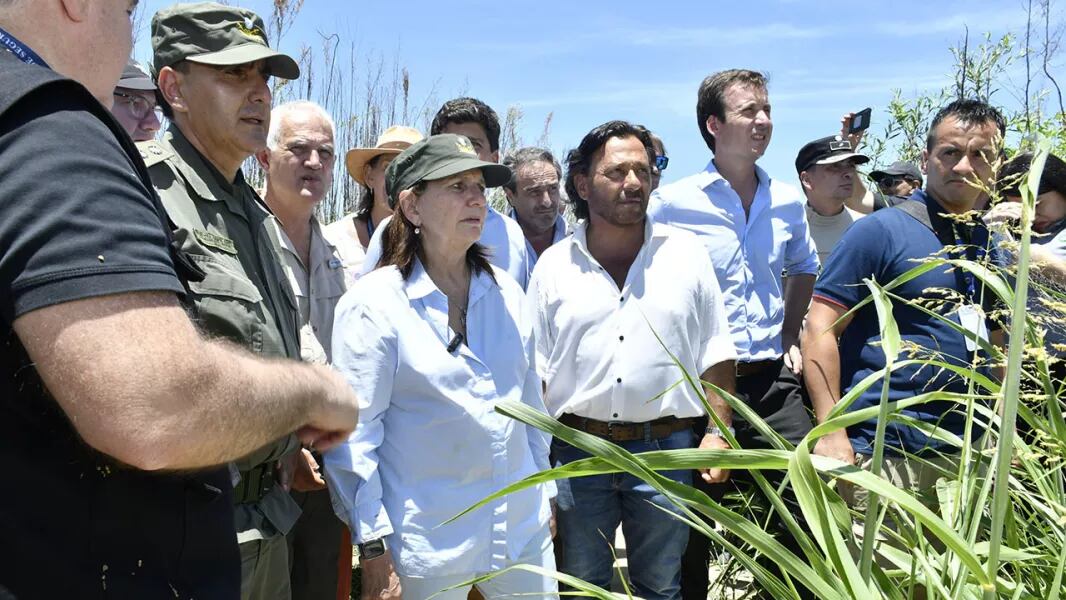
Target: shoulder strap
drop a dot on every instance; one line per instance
(919, 211)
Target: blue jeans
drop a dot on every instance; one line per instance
(589, 510)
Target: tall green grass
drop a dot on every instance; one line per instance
(997, 528)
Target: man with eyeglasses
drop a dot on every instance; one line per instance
(896, 183)
(135, 104)
(298, 164)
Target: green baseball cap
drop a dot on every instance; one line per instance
(437, 157)
(214, 34)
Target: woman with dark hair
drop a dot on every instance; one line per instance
(351, 233)
(430, 341)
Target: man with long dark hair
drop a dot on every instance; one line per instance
(604, 299)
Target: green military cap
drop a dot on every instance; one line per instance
(214, 34)
(437, 157)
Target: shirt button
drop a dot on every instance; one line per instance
(621, 338)
(616, 415)
(621, 298)
(619, 380)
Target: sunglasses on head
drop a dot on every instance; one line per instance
(661, 162)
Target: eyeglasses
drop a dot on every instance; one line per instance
(139, 106)
(661, 162)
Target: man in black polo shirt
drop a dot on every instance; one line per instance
(113, 410)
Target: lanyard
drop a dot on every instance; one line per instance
(21, 51)
(979, 257)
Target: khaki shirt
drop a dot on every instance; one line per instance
(318, 287)
(243, 297)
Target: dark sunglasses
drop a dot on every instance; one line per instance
(891, 181)
(661, 162)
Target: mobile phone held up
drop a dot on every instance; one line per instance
(860, 121)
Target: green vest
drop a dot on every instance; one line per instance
(244, 296)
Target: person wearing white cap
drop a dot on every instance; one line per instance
(351, 233)
(135, 104)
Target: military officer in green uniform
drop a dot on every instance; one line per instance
(212, 65)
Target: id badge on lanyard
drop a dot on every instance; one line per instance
(971, 315)
(972, 319)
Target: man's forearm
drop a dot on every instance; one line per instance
(821, 368)
(723, 375)
(241, 405)
(140, 384)
(798, 291)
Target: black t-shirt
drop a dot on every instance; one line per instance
(77, 220)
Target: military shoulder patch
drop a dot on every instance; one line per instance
(218, 242)
(152, 153)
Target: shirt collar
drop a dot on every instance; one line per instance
(710, 175)
(580, 235)
(419, 285)
(201, 175)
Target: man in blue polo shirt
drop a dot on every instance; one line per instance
(961, 144)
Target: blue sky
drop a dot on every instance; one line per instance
(589, 62)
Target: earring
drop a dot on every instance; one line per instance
(418, 230)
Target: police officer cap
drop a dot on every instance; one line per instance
(214, 34)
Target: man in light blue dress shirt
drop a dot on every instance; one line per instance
(536, 199)
(503, 237)
(755, 231)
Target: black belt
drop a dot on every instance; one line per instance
(255, 484)
(621, 431)
(751, 368)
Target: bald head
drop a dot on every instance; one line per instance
(85, 40)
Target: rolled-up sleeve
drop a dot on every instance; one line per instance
(801, 255)
(365, 354)
(716, 339)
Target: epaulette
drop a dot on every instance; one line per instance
(152, 153)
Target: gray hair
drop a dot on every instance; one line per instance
(524, 156)
(282, 112)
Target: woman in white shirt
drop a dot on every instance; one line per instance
(431, 341)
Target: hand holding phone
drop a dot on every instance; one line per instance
(860, 121)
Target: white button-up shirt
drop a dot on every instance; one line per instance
(596, 345)
(429, 443)
(750, 253)
(501, 235)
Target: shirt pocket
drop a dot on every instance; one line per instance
(228, 304)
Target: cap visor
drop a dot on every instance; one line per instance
(495, 174)
(357, 158)
(143, 84)
(858, 158)
(281, 65)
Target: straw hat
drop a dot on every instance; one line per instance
(393, 141)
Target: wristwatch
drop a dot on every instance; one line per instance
(372, 549)
(713, 430)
